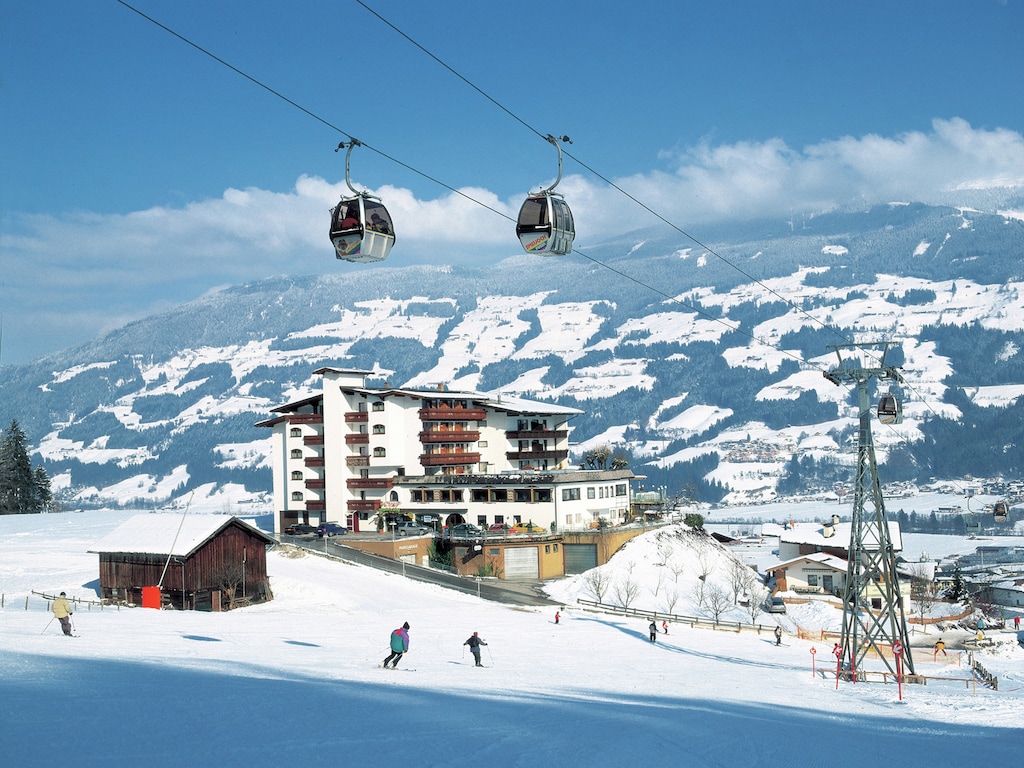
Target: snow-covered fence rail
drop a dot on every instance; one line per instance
(675, 618)
(26, 602)
(983, 674)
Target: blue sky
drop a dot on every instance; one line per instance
(138, 173)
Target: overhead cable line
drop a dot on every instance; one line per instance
(599, 175)
(439, 182)
(332, 126)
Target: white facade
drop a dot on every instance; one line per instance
(342, 455)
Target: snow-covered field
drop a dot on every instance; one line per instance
(296, 681)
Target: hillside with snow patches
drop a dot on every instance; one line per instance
(699, 366)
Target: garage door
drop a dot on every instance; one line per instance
(579, 557)
(521, 563)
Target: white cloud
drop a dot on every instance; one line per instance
(72, 275)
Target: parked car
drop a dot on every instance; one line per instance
(499, 528)
(410, 528)
(775, 605)
(527, 528)
(330, 529)
(300, 529)
(464, 531)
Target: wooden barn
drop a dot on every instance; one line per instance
(204, 562)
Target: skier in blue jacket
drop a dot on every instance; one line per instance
(399, 645)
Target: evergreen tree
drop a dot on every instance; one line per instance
(22, 490)
(958, 591)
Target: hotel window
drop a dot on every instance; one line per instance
(590, 492)
(378, 406)
(297, 475)
(570, 494)
(296, 495)
(379, 452)
(296, 453)
(378, 429)
(295, 432)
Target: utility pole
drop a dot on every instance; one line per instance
(873, 616)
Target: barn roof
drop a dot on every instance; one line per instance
(169, 534)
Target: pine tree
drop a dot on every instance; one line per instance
(22, 490)
(958, 590)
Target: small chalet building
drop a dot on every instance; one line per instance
(434, 456)
(817, 573)
(198, 561)
(831, 538)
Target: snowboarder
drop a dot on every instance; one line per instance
(399, 645)
(778, 635)
(474, 644)
(664, 627)
(557, 616)
(653, 629)
(940, 647)
(62, 612)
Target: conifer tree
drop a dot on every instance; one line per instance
(22, 490)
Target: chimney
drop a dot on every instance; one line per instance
(827, 531)
(835, 520)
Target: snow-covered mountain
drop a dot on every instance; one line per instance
(703, 365)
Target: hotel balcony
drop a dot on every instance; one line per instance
(316, 461)
(357, 461)
(363, 505)
(313, 440)
(453, 414)
(305, 418)
(357, 416)
(449, 459)
(450, 436)
(359, 438)
(315, 485)
(363, 482)
(529, 455)
(537, 434)
(316, 506)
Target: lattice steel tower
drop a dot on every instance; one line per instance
(873, 616)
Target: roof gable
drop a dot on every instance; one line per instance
(169, 534)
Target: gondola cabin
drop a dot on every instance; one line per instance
(889, 410)
(545, 225)
(999, 511)
(361, 230)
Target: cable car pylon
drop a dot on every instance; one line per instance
(873, 615)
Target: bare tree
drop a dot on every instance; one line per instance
(678, 568)
(597, 583)
(923, 592)
(758, 593)
(670, 599)
(716, 601)
(228, 578)
(626, 591)
(740, 577)
(657, 583)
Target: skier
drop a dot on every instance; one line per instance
(664, 627)
(557, 616)
(399, 645)
(62, 612)
(474, 644)
(940, 647)
(653, 629)
(778, 635)
(1016, 622)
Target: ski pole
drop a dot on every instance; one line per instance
(47, 626)
(489, 656)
